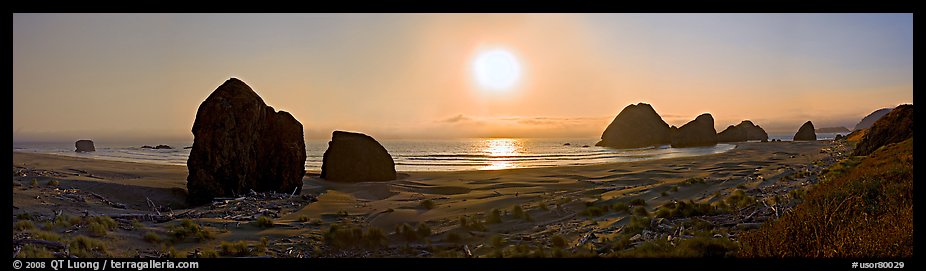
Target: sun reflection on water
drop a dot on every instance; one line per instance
(499, 151)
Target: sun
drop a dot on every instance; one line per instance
(496, 69)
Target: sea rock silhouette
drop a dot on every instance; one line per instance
(743, 131)
(636, 126)
(806, 132)
(356, 157)
(84, 145)
(894, 127)
(843, 130)
(867, 121)
(241, 144)
(698, 132)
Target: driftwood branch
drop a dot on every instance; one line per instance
(144, 217)
(153, 206)
(108, 202)
(48, 244)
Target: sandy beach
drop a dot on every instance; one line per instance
(553, 198)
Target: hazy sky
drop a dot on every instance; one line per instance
(139, 76)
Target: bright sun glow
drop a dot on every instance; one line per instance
(496, 69)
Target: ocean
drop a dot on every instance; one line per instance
(424, 155)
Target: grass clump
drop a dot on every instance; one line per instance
(543, 206)
(23, 225)
(34, 251)
(152, 237)
(24, 216)
(620, 207)
(517, 212)
(495, 217)
(637, 225)
(427, 204)
(345, 236)
(685, 209)
(594, 211)
(558, 241)
(53, 183)
(695, 180)
(698, 247)
(189, 229)
(640, 211)
(454, 237)
(472, 224)
(234, 249)
(303, 218)
(739, 199)
(637, 202)
(86, 247)
(264, 222)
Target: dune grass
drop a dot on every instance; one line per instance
(864, 211)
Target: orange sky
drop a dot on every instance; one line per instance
(143, 76)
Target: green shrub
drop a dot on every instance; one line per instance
(53, 183)
(24, 216)
(303, 218)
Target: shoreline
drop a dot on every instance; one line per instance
(318, 171)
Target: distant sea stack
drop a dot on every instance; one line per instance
(356, 157)
(240, 144)
(842, 130)
(744, 131)
(698, 132)
(806, 132)
(894, 127)
(636, 126)
(867, 121)
(84, 145)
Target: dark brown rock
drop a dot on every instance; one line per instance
(634, 127)
(894, 127)
(744, 131)
(356, 157)
(698, 132)
(163, 147)
(84, 145)
(241, 144)
(806, 132)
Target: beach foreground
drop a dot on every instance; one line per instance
(129, 209)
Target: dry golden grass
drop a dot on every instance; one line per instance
(867, 211)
